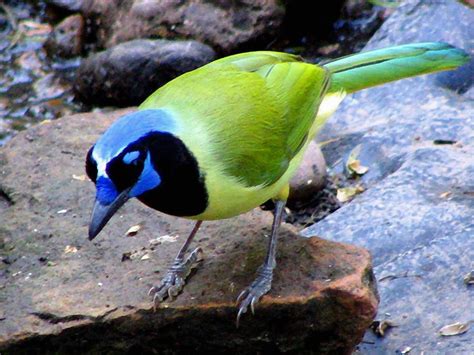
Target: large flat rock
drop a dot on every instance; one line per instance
(416, 215)
(62, 293)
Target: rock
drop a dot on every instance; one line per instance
(67, 38)
(49, 87)
(62, 293)
(128, 73)
(309, 179)
(416, 213)
(30, 61)
(226, 26)
(67, 5)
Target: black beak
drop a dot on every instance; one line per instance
(101, 213)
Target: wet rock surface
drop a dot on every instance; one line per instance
(226, 26)
(62, 293)
(417, 139)
(32, 87)
(128, 73)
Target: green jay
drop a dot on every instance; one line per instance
(222, 139)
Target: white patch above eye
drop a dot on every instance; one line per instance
(131, 156)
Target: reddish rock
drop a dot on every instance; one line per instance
(62, 293)
(309, 179)
(225, 25)
(67, 38)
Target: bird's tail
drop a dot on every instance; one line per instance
(359, 71)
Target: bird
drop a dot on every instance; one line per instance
(225, 138)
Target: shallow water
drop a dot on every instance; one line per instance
(33, 88)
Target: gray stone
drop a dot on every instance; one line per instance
(416, 215)
(60, 293)
(67, 5)
(128, 73)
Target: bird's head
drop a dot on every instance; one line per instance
(121, 163)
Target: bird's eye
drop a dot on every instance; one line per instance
(131, 157)
(125, 169)
(91, 166)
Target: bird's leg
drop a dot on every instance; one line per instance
(173, 282)
(263, 282)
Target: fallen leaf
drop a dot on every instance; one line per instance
(133, 230)
(345, 194)
(145, 257)
(406, 350)
(356, 167)
(380, 327)
(469, 278)
(79, 177)
(126, 256)
(353, 164)
(445, 194)
(70, 249)
(454, 329)
(164, 239)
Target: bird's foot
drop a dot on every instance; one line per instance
(252, 294)
(175, 279)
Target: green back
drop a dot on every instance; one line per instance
(254, 109)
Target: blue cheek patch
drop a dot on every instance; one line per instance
(130, 157)
(106, 191)
(148, 180)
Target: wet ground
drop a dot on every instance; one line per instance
(34, 87)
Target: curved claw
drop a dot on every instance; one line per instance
(173, 282)
(152, 289)
(241, 296)
(241, 311)
(252, 294)
(252, 305)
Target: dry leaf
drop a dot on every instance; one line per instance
(445, 194)
(133, 255)
(380, 327)
(353, 164)
(164, 239)
(126, 256)
(133, 230)
(70, 249)
(345, 194)
(469, 278)
(454, 329)
(79, 177)
(356, 167)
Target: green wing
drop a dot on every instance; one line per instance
(255, 110)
